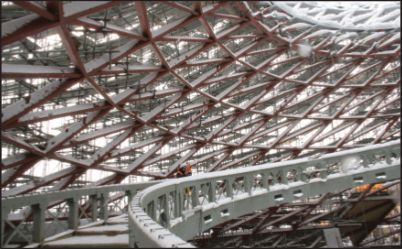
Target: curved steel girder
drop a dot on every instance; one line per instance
(236, 204)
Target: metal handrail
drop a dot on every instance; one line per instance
(157, 218)
(36, 204)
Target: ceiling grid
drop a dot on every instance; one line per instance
(218, 84)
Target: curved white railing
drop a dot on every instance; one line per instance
(34, 207)
(157, 218)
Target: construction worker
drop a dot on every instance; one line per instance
(188, 171)
(185, 170)
(181, 172)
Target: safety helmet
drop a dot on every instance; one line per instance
(183, 165)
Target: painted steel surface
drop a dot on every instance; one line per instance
(332, 172)
(34, 207)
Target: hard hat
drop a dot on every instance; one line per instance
(183, 165)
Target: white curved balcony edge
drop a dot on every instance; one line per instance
(147, 228)
(37, 204)
(14, 202)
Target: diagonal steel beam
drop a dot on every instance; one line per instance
(16, 110)
(36, 8)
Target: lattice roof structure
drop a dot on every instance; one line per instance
(97, 93)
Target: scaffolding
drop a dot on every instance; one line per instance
(123, 92)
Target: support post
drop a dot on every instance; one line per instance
(131, 233)
(365, 160)
(274, 179)
(94, 207)
(265, 184)
(166, 207)
(284, 179)
(194, 196)
(103, 214)
(132, 239)
(248, 184)
(4, 213)
(229, 187)
(176, 203)
(388, 157)
(129, 196)
(179, 202)
(72, 213)
(211, 192)
(38, 228)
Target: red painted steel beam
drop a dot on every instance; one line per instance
(56, 142)
(71, 50)
(183, 39)
(31, 118)
(397, 231)
(16, 110)
(180, 7)
(228, 16)
(8, 177)
(143, 17)
(387, 128)
(79, 9)
(18, 142)
(15, 160)
(56, 8)
(89, 23)
(44, 75)
(381, 189)
(257, 227)
(19, 29)
(36, 8)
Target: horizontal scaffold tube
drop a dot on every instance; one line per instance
(157, 217)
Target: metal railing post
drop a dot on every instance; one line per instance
(365, 161)
(180, 196)
(195, 201)
(248, 184)
(388, 156)
(284, 178)
(166, 208)
(94, 207)
(211, 192)
(103, 214)
(265, 184)
(38, 228)
(4, 214)
(229, 187)
(176, 200)
(72, 213)
(132, 243)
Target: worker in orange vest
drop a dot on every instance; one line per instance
(181, 172)
(188, 171)
(185, 170)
